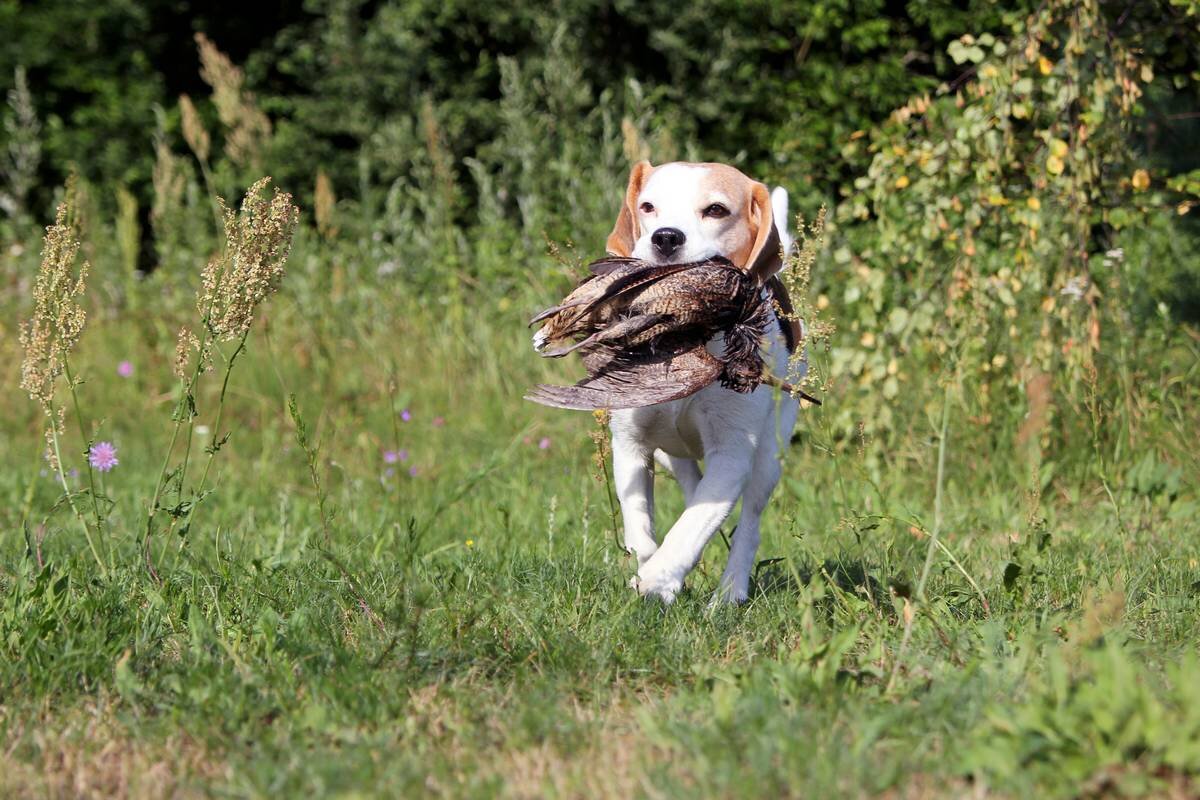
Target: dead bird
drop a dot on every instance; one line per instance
(627, 303)
(643, 330)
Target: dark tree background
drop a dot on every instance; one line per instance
(773, 85)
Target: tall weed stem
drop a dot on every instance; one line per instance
(87, 442)
(934, 537)
(310, 457)
(938, 494)
(185, 405)
(1094, 417)
(217, 441)
(62, 477)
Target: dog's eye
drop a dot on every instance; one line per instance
(647, 208)
(716, 210)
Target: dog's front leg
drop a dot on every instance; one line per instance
(724, 478)
(634, 476)
(685, 470)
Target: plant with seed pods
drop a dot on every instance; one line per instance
(234, 284)
(48, 338)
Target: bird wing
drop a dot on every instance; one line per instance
(624, 381)
(637, 275)
(610, 264)
(599, 298)
(625, 328)
(610, 277)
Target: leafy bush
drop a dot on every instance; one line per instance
(991, 221)
(1103, 726)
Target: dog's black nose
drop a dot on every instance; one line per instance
(667, 240)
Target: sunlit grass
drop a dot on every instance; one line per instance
(469, 628)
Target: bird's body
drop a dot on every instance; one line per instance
(643, 328)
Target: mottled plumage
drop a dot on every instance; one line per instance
(643, 329)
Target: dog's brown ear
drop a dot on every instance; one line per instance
(625, 233)
(765, 256)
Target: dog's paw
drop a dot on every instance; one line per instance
(726, 596)
(657, 586)
(731, 591)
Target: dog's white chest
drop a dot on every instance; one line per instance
(686, 428)
(670, 427)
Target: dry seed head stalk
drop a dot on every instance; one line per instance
(632, 144)
(128, 230)
(194, 132)
(797, 278)
(324, 201)
(56, 426)
(19, 165)
(569, 261)
(58, 319)
(169, 185)
(439, 152)
(599, 436)
(185, 343)
(812, 237)
(247, 127)
(258, 240)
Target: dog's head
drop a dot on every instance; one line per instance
(682, 212)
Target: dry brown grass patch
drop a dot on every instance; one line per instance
(90, 755)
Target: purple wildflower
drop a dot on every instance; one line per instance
(395, 456)
(125, 369)
(389, 472)
(544, 444)
(405, 415)
(412, 472)
(103, 456)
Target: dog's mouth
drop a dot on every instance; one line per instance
(684, 258)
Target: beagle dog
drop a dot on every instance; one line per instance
(683, 212)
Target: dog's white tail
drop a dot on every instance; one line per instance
(779, 209)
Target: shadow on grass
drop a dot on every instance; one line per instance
(851, 577)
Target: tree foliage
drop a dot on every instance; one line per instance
(772, 86)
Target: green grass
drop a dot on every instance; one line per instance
(979, 576)
(469, 630)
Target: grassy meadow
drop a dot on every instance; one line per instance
(371, 569)
(465, 625)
